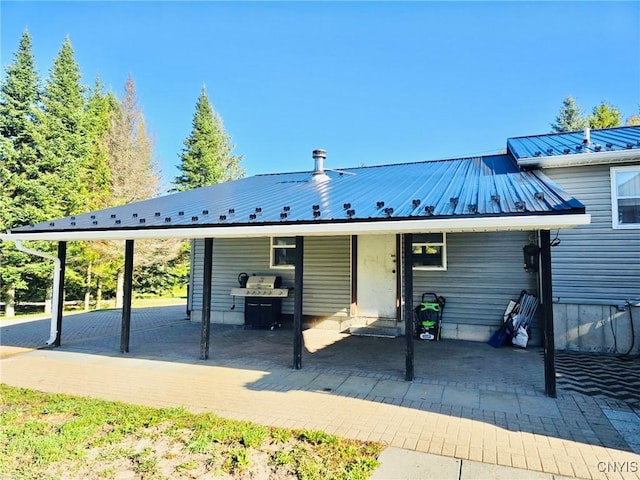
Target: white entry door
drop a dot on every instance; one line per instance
(376, 276)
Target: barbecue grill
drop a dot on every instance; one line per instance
(263, 296)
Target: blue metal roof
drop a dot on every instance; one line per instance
(573, 143)
(468, 187)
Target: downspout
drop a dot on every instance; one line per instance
(53, 331)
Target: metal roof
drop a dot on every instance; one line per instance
(574, 147)
(476, 188)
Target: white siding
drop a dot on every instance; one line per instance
(594, 264)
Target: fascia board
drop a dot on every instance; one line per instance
(577, 159)
(479, 224)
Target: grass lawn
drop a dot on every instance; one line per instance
(106, 305)
(52, 436)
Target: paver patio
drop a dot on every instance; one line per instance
(469, 401)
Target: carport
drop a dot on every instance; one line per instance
(484, 194)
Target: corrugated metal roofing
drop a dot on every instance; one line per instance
(572, 143)
(471, 187)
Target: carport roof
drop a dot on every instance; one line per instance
(466, 194)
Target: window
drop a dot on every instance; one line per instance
(625, 196)
(283, 252)
(429, 251)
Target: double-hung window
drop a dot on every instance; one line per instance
(283, 252)
(429, 251)
(625, 196)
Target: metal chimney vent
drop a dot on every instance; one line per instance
(587, 136)
(319, 156)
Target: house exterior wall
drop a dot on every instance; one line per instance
(484, 271)
(327, 276)
(596, 270)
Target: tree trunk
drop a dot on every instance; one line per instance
(120, 289)
(87, 293)
(10, 306)
(48, 300)
(99, 294)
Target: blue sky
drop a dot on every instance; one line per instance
(371, 82)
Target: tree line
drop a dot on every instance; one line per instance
(571, 118)
(67, 148)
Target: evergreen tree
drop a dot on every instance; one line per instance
(100, 108)
(207, 158)
(64, 147)
(23, 198)
(570, 117)
(605, 116)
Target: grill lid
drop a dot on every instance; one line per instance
(264, 281)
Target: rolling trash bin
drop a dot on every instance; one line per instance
(428, 317)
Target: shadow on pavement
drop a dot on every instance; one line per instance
(502, 387)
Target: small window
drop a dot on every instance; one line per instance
(283, 252)
(429, 251)
(625, 197)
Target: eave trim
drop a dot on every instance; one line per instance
(577, 159)
(468, 224)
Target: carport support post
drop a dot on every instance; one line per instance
(547, 314)
(297, 304)
(62, 256)
(409, 328)
(126, 305)
(206, 299)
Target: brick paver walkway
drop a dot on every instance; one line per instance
(450, 413)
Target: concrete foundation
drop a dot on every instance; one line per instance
(596, 328)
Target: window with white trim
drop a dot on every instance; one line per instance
(283, 252)
(625, 196)
(429, 251)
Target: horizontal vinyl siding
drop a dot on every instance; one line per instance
(195, 280)
(484, 271)
(327, 276)
(594, 263)
(327, 289)
(233, 256)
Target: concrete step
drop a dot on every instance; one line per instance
(374, 331)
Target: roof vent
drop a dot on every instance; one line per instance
(587, 136)
(319, 156)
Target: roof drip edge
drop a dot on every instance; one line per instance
(469, 224)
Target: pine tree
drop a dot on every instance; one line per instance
(100, 108)
(64, 147)
(207, 158)
(570, 117)
(605, 116)
(23, 198)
